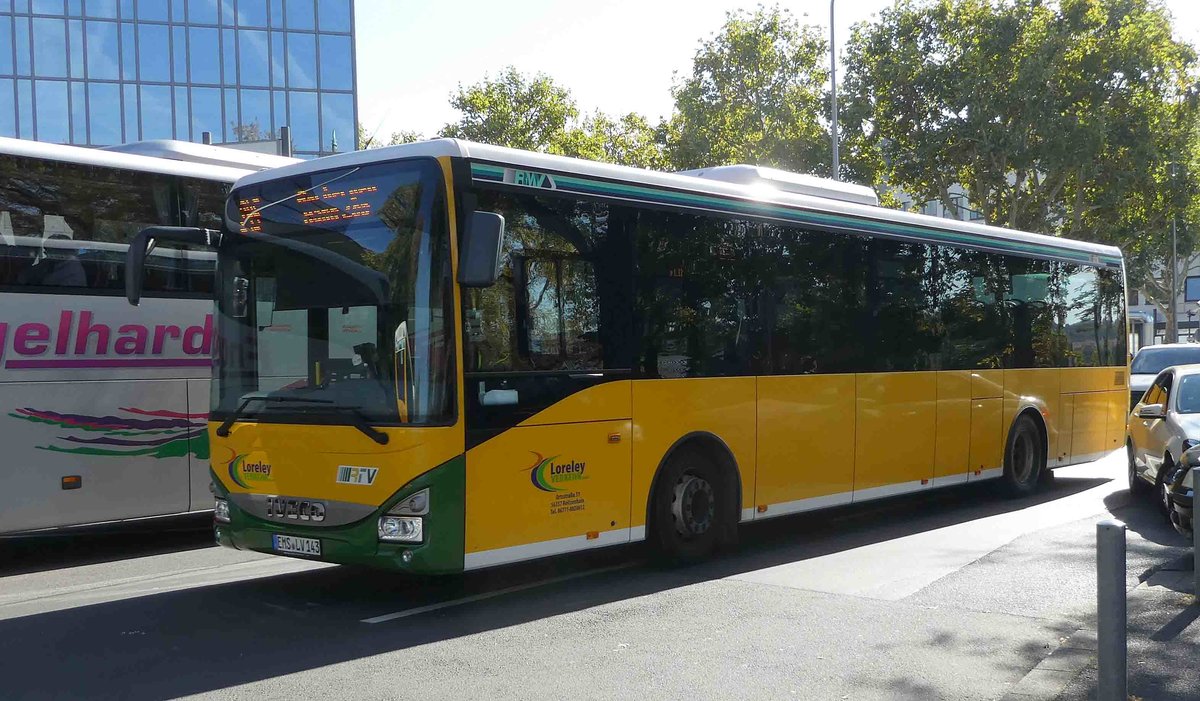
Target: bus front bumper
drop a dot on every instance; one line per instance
(439, 552)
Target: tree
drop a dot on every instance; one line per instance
(536, 114)
(513, 110)
(755, 95)
(1056, 117)
(629, 140)
(404, 136)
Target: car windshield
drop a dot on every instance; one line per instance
(1151, 361)
(331, 305)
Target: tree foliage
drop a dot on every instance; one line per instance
(1056, 117)
(514, 110)
(371, 140)
(537, 114)
(756, 94)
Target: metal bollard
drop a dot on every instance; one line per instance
(1110, 611)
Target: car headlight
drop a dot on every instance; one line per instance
(221, 511)
(401, 529)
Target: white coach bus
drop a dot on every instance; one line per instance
(103, 406)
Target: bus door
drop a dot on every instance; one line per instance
(547, 385)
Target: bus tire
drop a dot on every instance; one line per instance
(1024, 458)
(689, 511)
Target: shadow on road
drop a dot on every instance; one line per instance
(214, 637)
(76, 547)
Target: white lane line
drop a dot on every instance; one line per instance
(492, 594)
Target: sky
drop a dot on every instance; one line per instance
(615, 55)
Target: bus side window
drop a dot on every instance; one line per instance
(560, 313)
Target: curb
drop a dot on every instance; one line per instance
(1054, 673)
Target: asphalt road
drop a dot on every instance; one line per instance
(953, 595)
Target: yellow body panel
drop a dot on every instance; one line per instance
(611, 400)
(666, 410)
(897, 417)
(1118, 411)
(303, 461)
(532, 484)
(805, 430)
(987, 434)
(1090, 431)
(987, 384)
(1061, 452)
(952, 449)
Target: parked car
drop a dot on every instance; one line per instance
(1151, 360)
(1183, 492)
(1161, 427)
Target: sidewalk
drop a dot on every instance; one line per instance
(1164, 646)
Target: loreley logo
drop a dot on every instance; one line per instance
(81, 340)
(243, 472)
(547, 473)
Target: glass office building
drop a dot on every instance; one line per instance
(102, 72)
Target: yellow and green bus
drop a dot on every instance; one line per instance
(446, 356)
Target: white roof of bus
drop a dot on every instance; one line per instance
(535, 161)
(113, 159)
(203, 153)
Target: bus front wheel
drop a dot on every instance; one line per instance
(1024, 458)
(689, 511)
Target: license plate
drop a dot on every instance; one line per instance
(310, 547)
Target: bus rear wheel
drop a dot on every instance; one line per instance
(689, 510)
(1024, 458)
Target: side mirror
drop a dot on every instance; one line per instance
(143, 243)
(1152, 411)
(479, 259)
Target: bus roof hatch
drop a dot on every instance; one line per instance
(787, 181)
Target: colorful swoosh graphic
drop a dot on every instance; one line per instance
(154, 433)
(537, 473)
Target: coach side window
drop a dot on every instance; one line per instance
(1093, 317)
(65, 227)
(697, 295)
(902, 329)
(812, 301)
(970, 289)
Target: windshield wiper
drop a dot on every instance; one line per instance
(360, 420)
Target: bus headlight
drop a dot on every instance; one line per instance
(401, 529)
(221, 511)
(412, 505)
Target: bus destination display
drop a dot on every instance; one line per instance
(314, 208)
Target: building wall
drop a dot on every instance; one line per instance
(100, 72)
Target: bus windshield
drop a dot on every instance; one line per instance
(332, 304)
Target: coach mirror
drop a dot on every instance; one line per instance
(479, 264)
(143, 244)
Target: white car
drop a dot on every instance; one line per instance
(1151, 360)
(1164, 424)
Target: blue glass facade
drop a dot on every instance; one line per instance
(101, 72)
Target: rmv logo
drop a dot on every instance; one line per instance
(529, 178)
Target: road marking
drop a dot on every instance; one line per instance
(493, 594)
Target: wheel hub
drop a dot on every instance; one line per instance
(692, 506)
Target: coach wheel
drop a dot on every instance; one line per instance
(1024, 458)
(689, 510)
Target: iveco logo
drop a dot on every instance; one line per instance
(295, 509)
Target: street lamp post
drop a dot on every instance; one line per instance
(833, 92)
(1174, 261)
